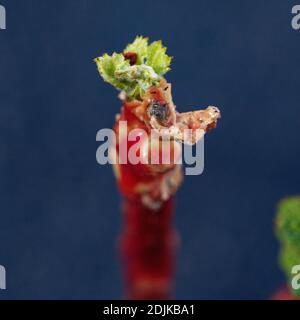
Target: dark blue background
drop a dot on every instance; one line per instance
(59, 210)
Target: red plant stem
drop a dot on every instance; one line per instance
(148, 241)
(148, 238)
(148, 248)
(283, 293)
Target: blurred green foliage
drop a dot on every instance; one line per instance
(288, 233)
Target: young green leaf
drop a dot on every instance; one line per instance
(109, 65)
(152, 62)
(140, 47)
(157, 58)
(134, 80)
